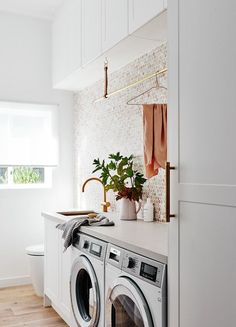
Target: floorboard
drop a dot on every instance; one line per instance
(20, 307)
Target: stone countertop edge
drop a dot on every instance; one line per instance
(128, 235)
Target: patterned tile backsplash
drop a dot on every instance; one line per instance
(112, 125)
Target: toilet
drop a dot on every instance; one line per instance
(36, 261)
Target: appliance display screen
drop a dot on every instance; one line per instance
(148, 271)
(96, 249)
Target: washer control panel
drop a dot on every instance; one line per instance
(144, 268)
(151, 271)
(92, 246)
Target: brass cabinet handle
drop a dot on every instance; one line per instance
(168, 169)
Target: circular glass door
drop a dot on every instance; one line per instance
(126, 305)
(84, 291)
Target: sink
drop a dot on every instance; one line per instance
(76, 213)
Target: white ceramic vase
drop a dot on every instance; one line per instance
(128, 210)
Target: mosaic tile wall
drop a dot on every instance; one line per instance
(112, 125)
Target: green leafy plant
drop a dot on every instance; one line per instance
(120, 176)
(26, 175)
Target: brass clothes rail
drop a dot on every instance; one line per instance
(108, 95)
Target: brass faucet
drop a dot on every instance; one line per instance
(104, 204)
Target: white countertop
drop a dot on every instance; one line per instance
(146, 238)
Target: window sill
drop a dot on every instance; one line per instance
(25, 187)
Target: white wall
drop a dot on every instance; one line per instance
(25, 70)
(115, 126)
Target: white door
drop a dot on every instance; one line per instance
(85, 293)
(142, 11)
(202, 134)
(126, 305)
(115, 22)
(91, 30)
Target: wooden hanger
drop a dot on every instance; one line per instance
(157, 86)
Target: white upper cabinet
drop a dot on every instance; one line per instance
(66, 40)
(141, 11)
(87, 31)
(91, 30)
(114, 21)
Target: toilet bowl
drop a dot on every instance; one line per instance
(36, 261)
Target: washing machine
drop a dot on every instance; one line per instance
(87, 282)
(136, 291)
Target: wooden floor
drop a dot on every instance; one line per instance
(20, 307)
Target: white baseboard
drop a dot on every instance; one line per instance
(15, 281)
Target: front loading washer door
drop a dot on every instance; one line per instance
(84, 290)
(126, 305)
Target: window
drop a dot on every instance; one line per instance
(28, 144)
(25, 177)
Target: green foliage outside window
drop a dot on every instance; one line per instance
(26, 175)
(3, 176)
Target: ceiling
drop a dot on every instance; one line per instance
(36, 8)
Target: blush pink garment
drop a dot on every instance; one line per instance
(154, 137)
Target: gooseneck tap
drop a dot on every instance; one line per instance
(104, 204)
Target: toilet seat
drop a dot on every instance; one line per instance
(35, 250)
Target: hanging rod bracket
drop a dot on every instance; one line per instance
(108, 95)
(106, 78)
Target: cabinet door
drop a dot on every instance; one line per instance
(64, 277)
(141, 11)
(66, 40)
(51, 266)
(115, 22)
(91, 30)
(201, 144)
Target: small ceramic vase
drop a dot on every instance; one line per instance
(128, 210)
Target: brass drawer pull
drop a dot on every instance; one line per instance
(168, 214)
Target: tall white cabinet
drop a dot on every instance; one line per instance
(202, 116)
